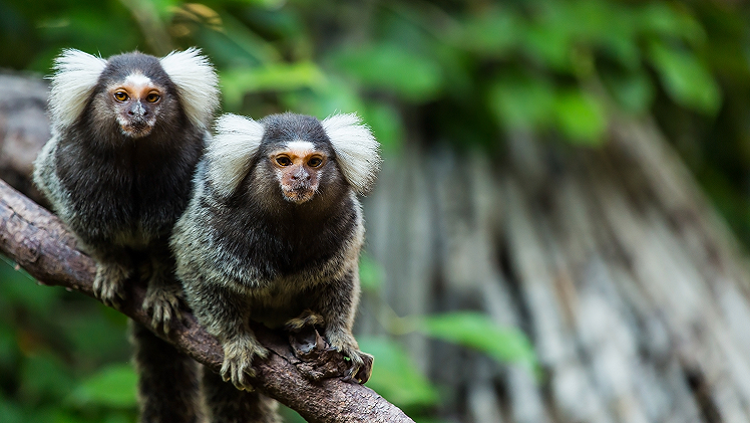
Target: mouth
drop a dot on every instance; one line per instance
(136, 127)
(136, 130)
(298, 195)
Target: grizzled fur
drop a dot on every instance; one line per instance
(244, 252)
(121, 196)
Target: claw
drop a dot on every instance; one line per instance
(307, 318)
(163, 305)
(109, 284)
(361, 362)
(238, 359)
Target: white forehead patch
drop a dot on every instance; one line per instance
(138, 80)
(300, 148)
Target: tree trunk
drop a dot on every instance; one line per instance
(630, 286)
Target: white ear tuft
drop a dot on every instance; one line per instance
(76, 75)
(231, 151)
(197, 84)
(356, 148)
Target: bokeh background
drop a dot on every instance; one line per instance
(559, 231)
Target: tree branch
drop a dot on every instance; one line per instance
(41, 244)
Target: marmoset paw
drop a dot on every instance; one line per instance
(109, 284)
(361, 362)
(238, 361)
(307, 318)
(361, 366)
(162, 303)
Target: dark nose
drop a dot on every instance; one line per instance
(301, 175)
(137, 109)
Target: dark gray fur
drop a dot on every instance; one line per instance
(252, 255)
(121, 197)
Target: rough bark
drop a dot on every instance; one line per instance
(630, 285)
(24, 129)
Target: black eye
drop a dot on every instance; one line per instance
(283, 161)
(153, 98)
(315, 162)
(121, 96)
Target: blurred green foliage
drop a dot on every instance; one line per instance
(418, 72)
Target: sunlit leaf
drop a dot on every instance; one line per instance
(685, 78)
(394, 376)
(269, 4)
(330, 99)
(113, 386)
(665, 19)
(390, 67)
(250, 42)
(282, 77)
(164, 7)
(580, 117)
(549, 46)
(478, 331)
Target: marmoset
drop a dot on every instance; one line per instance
(127, 134)
(273, 234)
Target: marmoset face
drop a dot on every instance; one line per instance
(298, 167)
(137, 102)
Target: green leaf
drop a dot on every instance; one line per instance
(490, 33)
(96, 337)
(114, 386)
(332, 97)
(9, 351)
(386, 125)
(370, 274)
(268, 4)
(20, 289)
(44, 376)
(522, 102)
(634, 91)
(478, 331)
(10, 411)
(550, 46)
(580, 117)
(664, 19)
(687, 81)
(237, 82)
(623, 48)
(391, 67)
(395, 377)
